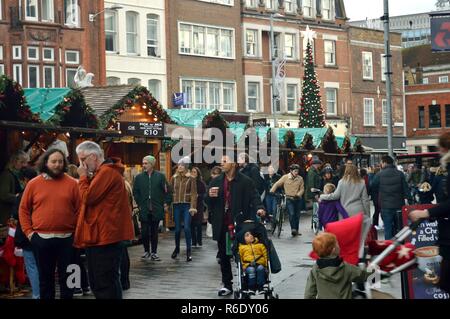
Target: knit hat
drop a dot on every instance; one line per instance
(316, 160)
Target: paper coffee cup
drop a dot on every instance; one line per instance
(428, 258)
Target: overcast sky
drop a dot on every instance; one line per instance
(373, 9)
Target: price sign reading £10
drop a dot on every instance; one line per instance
(141, 129)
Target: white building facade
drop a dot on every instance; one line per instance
(135, 45)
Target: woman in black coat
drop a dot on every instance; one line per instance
(441, 213)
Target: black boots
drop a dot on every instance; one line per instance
(175, 253)
(188, 256)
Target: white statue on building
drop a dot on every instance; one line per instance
(443, 5)
(83, 79)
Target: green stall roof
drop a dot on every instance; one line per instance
(340, 141)
(353, 140)
(237, 129)
(45, 101)
(299, 134)
(188, 117)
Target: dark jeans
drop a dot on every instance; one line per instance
(51, 254)
(125, 270)
(104, 270)
(294, 206)
(196, 232)
(376, 214)
(181, 213)
(390, 220)
(150, 234)
(256, 277)
(271, 204)
(225, 264)
(84, 277)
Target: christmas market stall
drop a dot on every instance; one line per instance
(140, 120)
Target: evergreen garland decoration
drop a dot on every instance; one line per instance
(289, 140)
(13, 106)
(138, 96)
(311, 114)
(74, 112)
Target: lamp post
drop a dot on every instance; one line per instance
(272, 53)
(388, 56)
(92, 16)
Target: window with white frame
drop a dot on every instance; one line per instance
(308, 8)
(369, 116)
(72, 13)
(112, 81)
(47, 10)
(253, 96)
(327, 9)
(70, 77)
(48, 54)
(153, 35)
(31, 9)
(154, 86)
(213, 42)
(443, 79)
(72, 57)
(49, 76)
(251, 42)
(199, 40)
(271, 4)
(330, 52)
(384, 113)
(425, 81)
(367, 66)
(33, 53)
(132, 32)
(289, 45)
(331, 95)
(1, 52)
(111, 40)
(291, 97)
(134, 81)
(206, 41)
(17, 73)
(33, 76)
(201, 94)
(251, 3)
(2, 69)
(383, 68)
(17, 52)
(289, 6)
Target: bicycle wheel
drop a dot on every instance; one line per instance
(280, 222)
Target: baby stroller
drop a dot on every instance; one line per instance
(260, 232)
(384, 256)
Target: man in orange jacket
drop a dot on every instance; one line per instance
(105, 219)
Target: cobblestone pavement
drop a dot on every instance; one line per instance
(200, 279)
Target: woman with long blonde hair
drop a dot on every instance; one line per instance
(352, 192)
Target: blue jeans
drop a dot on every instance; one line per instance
(271, 204)
(389, 217)
(32, 271)
(181, 212)
(256, 277)
(294, 207)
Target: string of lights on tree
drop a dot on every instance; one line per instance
(141, 98)
(311, 114)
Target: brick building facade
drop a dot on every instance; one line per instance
(42, 43)
(204, 56)
(428, 115)
(368, 81)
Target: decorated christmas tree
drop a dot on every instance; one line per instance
(311, 111)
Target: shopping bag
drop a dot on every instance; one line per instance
(209, 232)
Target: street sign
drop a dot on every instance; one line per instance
(440, 34)
(141, 129)
(259, 122)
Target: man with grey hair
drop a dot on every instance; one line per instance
(152, 195)
(10, 186)
(105, 221)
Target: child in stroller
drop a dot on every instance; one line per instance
(251, 253)
(253, 257)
